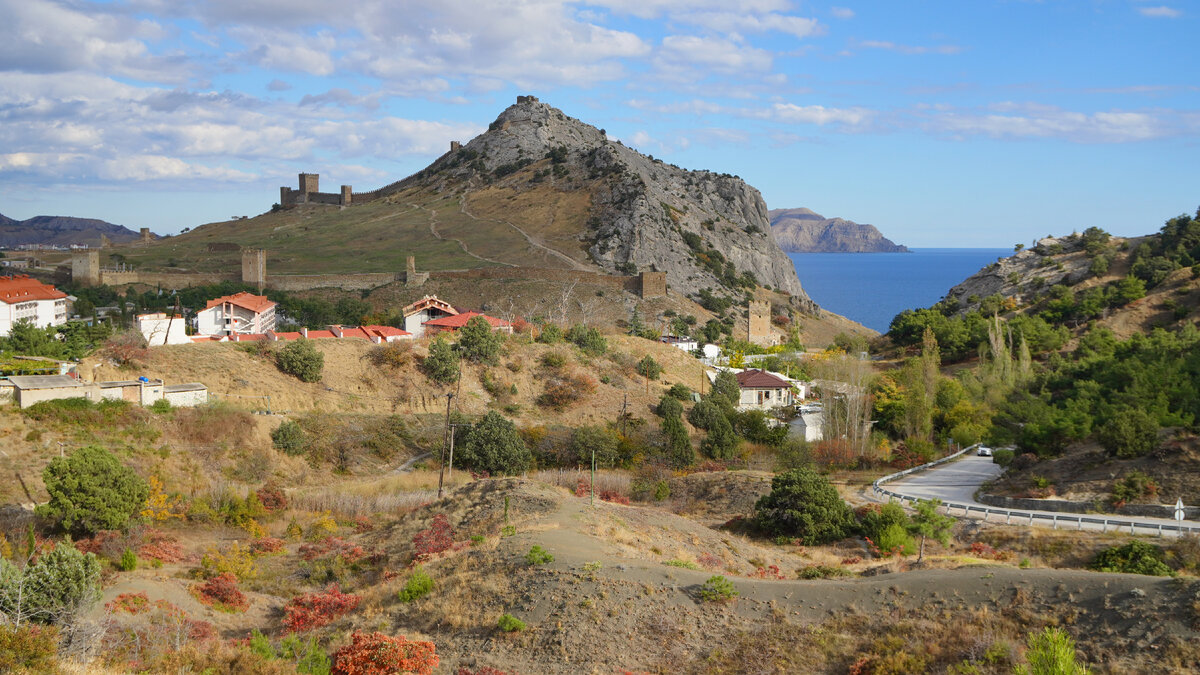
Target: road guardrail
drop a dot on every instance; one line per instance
(1161, 529)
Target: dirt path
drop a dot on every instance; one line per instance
(433, 222)
(536, 243)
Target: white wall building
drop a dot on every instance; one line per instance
(26, 299)
(240, 313)
(762, 390)
(426, 309)
(163, 329)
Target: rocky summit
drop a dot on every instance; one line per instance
(805, 231)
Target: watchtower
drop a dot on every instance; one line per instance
(85, 267)
(146, 236)
(758, 323)
(254, 266)
(653, 284)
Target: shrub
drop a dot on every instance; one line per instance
(649, 368)
(1130, 432)
(893, 540)
(590, 340)
(668, 407)
(272, 497)
(128, 603)
(1051, 652)
(717, 589)
(822, 572)
(301, 359)
(32, 649)
(1003, 457)
(379, 654)
(565, 390)
(681, 392)
(126, 348)
(1136, 557)
(419, 585)
(554, 360)
(601, 441)
(1135, 485)
(478, 343)
(91, 490)
(441, 365)
(394, 355)
(266, 546)
(803, 504)
(289, 437)
(550, 334)
(236, 560)
(128, 561)
(313, 610)
(685, 564)
(538, 556)
(221, 593)
(57, 586)
(160, 407)
(873, 519)
(509, 623)
(493, 445)
(439, 537)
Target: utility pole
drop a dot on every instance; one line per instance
(442, 468)
(450, 464)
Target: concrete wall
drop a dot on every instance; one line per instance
(29, 397)
(187, 399)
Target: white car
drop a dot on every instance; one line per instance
(984, 451)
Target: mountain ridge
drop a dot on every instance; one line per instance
(802, 230)
(61, 231)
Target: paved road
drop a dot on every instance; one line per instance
(957, 482)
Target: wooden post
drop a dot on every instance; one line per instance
(442, 467)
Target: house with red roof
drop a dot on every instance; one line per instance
(240, 313)
(23, 298)
(762, 390)
(426, 309)
(451, 324)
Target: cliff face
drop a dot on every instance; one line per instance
(60, 231)
(704, 230)
(803, 231)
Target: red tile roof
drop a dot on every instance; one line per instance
(247, 337)
(245, 300)
(289, 336)
(760, 379)
(460, 320)
(355, 333)
(315, 334)
(386, 331)
(23, 288)
(429, 301)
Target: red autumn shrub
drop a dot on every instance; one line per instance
(363, 524)
(162, 547)
(272, 497)
(614, 497)
(266, 546)
(313, 610)
(379, 654)
(333, 547)
(129, 603)
(563, 391)
(769, 572)
(582, 487)
(852, 560)
(710, 561)
(439, 537)
(221, 592)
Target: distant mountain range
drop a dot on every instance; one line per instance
(805, 231)
(60, 231)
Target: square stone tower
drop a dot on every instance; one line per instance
(309, 182)
(254, 266)
(758, 323)
(85, 267)
(654, 284)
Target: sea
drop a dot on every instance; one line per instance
(872, 288)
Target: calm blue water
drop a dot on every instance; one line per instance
(871, 288)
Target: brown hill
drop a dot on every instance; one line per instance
(61, 231)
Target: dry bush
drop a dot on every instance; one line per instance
(565, 390)
(213, 425)
(395, 355)
(348, 506)
(126, 348)
(617, 482)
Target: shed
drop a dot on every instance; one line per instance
(31, 389)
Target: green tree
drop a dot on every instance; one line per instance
(493, 445)
(1127, 290)
(302, 360)
(58, 586)
(676, 445)
(478, 343)
(803, 504)
(601, 441)
(725, 391)
(1130, 432)
(1051, 652)
(441, 365)
(668, 406)
(289, 437)
(649, 368)
(929, 523)
(1136, 557)
(589, 339)
(721, 441)
(91, 490)
(705, 414)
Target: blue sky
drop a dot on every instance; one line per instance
(972, 123)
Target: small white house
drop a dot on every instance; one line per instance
(236, 314)
(762, 390)
(23, 298)
(809, 426)
(428, 308)
(687, 344)
(163, 329)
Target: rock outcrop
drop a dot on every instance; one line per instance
(804, 231)
(703, 229)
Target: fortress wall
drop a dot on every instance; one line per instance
(345, 282)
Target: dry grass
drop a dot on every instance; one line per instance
(606, 480)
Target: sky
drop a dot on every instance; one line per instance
(968, 123)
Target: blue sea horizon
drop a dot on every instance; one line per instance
(872, 288)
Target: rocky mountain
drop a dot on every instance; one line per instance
(538, 189)
(60, 231)
(805, 231)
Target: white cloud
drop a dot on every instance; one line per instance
(689, 52)
(842, 12)
(730, 22)
(157, 167)
(1160, 12)
(817, 114)
(1040, 121)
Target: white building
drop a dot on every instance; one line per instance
(26, 299)
(163, 329)
(762, 390)
(809, 425)
(687, 344)
(426, 309)
(236, 314)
